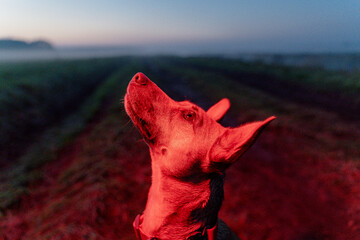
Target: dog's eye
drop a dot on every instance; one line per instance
(189, 115)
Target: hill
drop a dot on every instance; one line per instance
(19, 44)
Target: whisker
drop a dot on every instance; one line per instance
(140, 140)
(127, 123)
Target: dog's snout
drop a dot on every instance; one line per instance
(140, 78)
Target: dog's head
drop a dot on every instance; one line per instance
(184, 139)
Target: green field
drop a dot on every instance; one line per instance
(48, 109)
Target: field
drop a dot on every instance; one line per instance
(72, 166)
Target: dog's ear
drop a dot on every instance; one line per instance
(218, 110)
(233, 143)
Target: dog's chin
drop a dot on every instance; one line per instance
(138, 121)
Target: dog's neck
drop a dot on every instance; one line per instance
(176, 208)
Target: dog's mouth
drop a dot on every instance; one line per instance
(143, 125)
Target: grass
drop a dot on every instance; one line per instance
(92, 196)
(15, 180)
(321, 80)
(83, 192)
(34, 96)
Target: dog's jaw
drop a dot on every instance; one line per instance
(139, 122)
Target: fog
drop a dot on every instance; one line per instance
(341, 58)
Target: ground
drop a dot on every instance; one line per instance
(299, 181)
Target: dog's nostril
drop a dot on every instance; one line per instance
(140, 78)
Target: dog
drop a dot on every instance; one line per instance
(189, 152)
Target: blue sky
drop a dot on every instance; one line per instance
(228, 25)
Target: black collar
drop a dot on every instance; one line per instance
(206, 234)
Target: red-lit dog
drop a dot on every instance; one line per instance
(190, 151)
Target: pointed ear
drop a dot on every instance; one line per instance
(218, 110)
(233, 143)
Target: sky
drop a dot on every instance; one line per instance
(223, 26)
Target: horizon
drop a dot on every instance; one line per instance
(187, 49)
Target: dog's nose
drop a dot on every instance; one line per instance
(140, 78)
